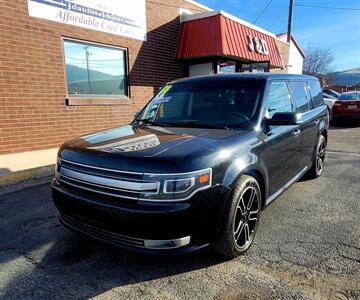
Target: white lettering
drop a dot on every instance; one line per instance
(258, 45)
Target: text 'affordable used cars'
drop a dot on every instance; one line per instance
(196, 166)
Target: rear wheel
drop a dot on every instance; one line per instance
(318, 164)
(241, 218)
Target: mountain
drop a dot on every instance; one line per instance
(100, 83)
(347, 78)
(75, 74)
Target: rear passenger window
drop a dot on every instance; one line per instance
(316, 93)
(278, 98)
(300, 95)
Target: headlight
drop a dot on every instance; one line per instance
(178, 186)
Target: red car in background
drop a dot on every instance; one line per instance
(347, 106)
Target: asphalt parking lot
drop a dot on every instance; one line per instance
(307, 247)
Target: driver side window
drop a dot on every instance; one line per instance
(279, 99)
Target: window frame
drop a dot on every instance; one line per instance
(307, 92)
(98, 96)
(312, 96)
(270, 82)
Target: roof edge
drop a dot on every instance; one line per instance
(199, 5)
(294, 41)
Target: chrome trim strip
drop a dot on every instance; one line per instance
(134, 173)
(287, 185)
(121, 184)
(133, 198)
(95, 191)
(141, 199)
(96, 185)
(99, 168)
(167, 244)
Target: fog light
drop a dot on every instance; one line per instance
(167, 244)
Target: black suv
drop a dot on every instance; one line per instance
(196, 166)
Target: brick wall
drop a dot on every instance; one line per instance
(284, 50)
(33, 114)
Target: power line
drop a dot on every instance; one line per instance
(255, 4)
(278, 18)
(328, 7)
(261, 13)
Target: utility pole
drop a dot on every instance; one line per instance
(87, 53)
(291, 8)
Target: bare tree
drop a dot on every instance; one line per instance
(317, 61)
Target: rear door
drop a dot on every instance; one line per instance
(310, 121)
(282, 143)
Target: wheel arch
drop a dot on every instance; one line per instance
(253, 170)
(324, 132)
(260, 178)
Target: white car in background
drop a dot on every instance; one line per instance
(332, 93)
(329, 100)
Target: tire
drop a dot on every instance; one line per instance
(318, 162)
(234, 238)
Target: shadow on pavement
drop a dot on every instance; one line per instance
(46, 259)
(342, 124)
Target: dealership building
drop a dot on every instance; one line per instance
(69, 67)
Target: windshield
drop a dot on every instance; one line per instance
(350, 96)
(218, 104)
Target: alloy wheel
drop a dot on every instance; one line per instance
(246, 217)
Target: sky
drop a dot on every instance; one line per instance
(336, 29)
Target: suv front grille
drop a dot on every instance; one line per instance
(104, 181)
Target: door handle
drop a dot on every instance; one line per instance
(296, 132)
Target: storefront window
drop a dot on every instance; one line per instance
(255, 68)
(93, 69)
(227, 67)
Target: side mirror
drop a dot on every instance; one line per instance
(137, 114)
(285, 118)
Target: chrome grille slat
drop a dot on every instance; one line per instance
(104, 181)
(111, 183)
(95, 190)
(96, 185)
(100, 168)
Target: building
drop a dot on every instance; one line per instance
(296, 54)
(69, 67)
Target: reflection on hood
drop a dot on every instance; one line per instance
(134, 144)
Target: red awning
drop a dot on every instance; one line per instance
(218, 35)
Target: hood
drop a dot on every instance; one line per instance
(148, 145)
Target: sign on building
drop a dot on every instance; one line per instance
(112, 16)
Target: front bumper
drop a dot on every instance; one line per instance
(149, 227)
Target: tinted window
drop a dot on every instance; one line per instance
(316, 93)
(94, 69)
(278, 98)
(217, 103)
(300, 95)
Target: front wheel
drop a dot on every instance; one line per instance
(241, 218)
(318, 164)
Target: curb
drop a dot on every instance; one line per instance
(25, 178)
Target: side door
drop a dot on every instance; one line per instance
(282, 143)
(309, 121)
